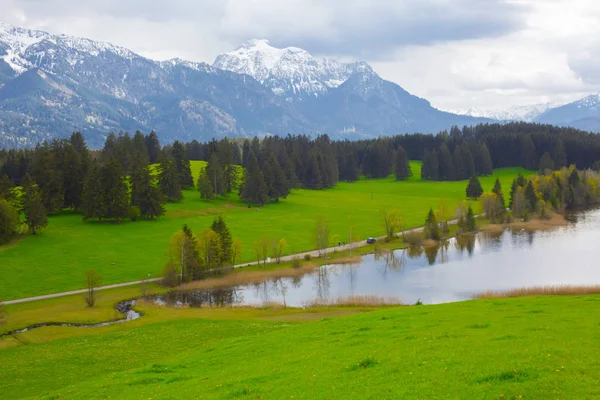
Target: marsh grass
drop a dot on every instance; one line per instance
(356, 301)
(560, 290)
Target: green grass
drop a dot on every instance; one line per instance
(55, 261)
(484, 349)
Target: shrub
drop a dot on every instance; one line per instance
(296, 262)
(366, 363)
(419, 302)
(133, 213)
(170, 278)
(413, 238)
(307, 257)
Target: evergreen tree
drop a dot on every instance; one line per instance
(153, 146)
(114, 190)
(144, 194)
(464, 165)
(430, 166)
(529, 158)
(275, 179)
(517, 183)
(253, 189)
(474, 189)
(47, 173)
(76, 161)
(140, 150)
(205, 186)
(182, 165)
(446, 164)
(559, 155)
(225, 242)
(7, 189)
(432, 229)
(32, 206)
(483, 160)
(214, 171)
(470, 223)
(349, 169)
(168, 180)
(93, 197)
(531, 197)
(497, 190)
(246, 154)
(546, 164)
(402, 166)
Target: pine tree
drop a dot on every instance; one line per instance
(75, 164)
(50, 179)
(32, 206)
(216, 175)
(497, 190)
(205, 186)
(182, 165)
(277, 186)
(144, 194)
(430, 166)
(546, 164)
(225, 242)
(153, 146)
(447, 170)
(531, 197)
(115, 190)
(402, 166)
(474, 189)
(470, 224)
(483, 160)
(93, 196)
(7, 189)
(253, 189)
(432, 229)
(529, 158)
(168, 180)
(559, 155)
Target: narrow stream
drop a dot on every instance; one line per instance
(124, 307)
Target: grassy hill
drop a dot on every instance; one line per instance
(526, 348)
(55, 261)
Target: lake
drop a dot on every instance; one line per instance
(454, 271)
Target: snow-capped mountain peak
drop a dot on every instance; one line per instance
(527, 113)
(19, 46)
(288, 71)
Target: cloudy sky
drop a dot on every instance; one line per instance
(456, 53)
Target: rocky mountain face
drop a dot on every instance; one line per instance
(51, 85)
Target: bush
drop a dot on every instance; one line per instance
(307, 257)
(413, 238)
(134, 213)
(296, 262)
(9, 221)
(170, 277)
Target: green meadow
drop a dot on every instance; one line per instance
(521, 348)
(55, 260)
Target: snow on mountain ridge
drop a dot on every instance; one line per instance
(20, 43)
(288, 71)
(526, 113)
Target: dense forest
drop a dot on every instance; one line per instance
(116, 182)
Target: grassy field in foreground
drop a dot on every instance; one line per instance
(55, 261)
(524, 348)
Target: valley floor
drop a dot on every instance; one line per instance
(520, 348)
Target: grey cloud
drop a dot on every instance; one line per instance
(353, 28)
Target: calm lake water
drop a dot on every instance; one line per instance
(453, 272)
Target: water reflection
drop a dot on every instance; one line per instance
(452, 271)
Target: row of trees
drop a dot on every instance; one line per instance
(194, 256)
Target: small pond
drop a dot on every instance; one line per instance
(454, 271)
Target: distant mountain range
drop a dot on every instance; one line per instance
(582, 114)
(51, 85)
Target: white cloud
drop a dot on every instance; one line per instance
(455, 53)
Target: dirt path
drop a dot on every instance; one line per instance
(313, 253)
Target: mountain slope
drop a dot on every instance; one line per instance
(582, 114)
(51, 85)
